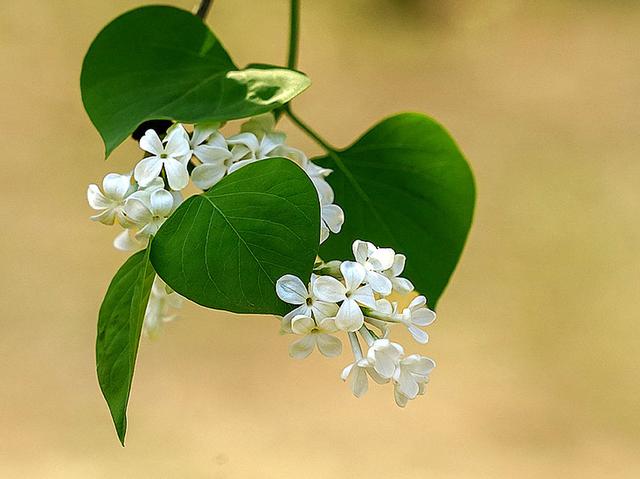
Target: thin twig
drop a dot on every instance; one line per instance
(304, 127)
(294, 29)
(294, 40)
(203, 9)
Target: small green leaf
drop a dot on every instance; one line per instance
(405, 184)
(226, 248)
(119, 326)
(160, 62)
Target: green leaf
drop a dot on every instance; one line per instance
(160, 62)
(405, 184)
(226, 248)
(119, 326)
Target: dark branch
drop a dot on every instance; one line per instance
(203, 9)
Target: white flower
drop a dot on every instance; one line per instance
(149, 215)
(206, 135)
(315, 335)
(384, 357)
(125, 241)
(110, 204)
(415, 315)
(401, 399)
(177, 129)
(216, 160)
(293, 154)
(261, 127)
(172, 156)
(375, 260)
(410, 373)
(292, 290)
(400, 285)
(356, 373)
(331, 216)
(249, 147)
(158, 312)
(352, 294)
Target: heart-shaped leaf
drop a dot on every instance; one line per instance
(119, 326)
(226, 248)
(405, 184)
(161, 62)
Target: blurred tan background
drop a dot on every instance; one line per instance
(538, 335)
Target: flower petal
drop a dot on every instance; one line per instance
(418, 302)
(147, 170)
(324, 232)
(346, 371)
(382, 258)
(353, 273)
(401, 399)
(177, 146)
(364, 296)
(150, 142)
(211, 153)
(302, 324)
(303, 347)
(270, 141)
(218, 140)
(327, 288)
(323, 309)
(177, 174)
(376, 377)
(423, 317)
(359, 382)
(333, 216)
(247, 139)
(202, 132)
(161, 202)
(402, 285)
(398, 264)
(384, 306)
(291, 289)
(106, 217)
(125, 242)
(418, 334)
(379, 283)
(208, 174)
(325, 192)
(349, 316)
(285, 326)
(419, 365)
(117, 186)
(96, 199)
(328, 345)
(360, 251)
(327, 325)
(137, 211)
(407, 384)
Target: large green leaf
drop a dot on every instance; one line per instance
(405, 184)
(226, 248)
(119, 325)
(160, 62)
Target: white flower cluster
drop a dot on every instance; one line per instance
(140, 201)
(351, 296)
(162, 301)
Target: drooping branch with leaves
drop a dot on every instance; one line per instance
(271, 231)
